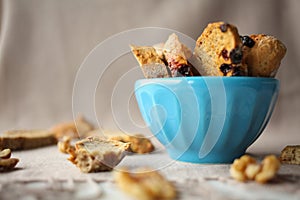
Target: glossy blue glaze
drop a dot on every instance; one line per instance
(206, 119)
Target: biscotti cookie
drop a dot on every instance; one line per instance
(177, 56)
(95, 154)
(26, 139)
(290, 155)
(150, 62)
(264, 58)
(73, 129)
(219, 51)
(138, 143)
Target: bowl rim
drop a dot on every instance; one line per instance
(208, 78)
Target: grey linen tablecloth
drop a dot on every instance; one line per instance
(45, 173)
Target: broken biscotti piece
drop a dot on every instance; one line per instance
(246, 168)
(264, 58)
(74, 129)
(95, 154)
(6, 162)
(290, 155)
(150, 62)
(64, 145)
(138, 143)
(177, 55)
(219, 51)
(145, 184)
(169, 59)
(26, 139)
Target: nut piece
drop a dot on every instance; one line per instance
(95, 154)
(237, 169)
(270, 166)
(290, 155)
(7, 163)
(252, 170)
(5, 153)
(145, 184)
(246, 168)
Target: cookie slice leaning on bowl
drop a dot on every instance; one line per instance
(219, 51)
(150, 62)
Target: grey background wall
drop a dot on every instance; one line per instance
(43, 43)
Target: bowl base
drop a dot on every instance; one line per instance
(191, 157)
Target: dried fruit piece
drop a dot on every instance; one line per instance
(290, 155)
(236, 55)
(145, 184)
(247, 41)
(224, 27)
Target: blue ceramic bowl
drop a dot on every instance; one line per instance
(206, 119)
